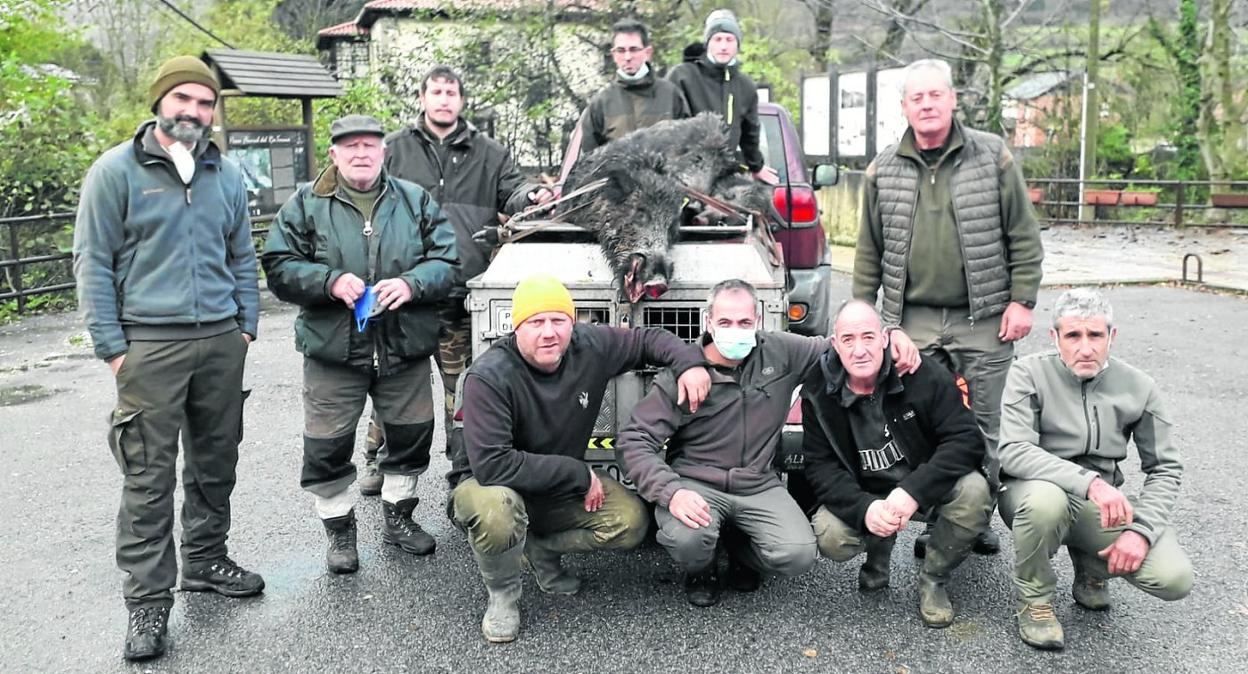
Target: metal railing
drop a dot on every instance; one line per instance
(1170, 203)
(38, 252)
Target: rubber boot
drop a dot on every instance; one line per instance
(1089, 591)
(371, 478)
(341, 556)
(946, 549)
(873, 576)
(501, 575)
(545, 556)
(400, 530)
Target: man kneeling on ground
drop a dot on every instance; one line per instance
(1066, 420)
(529, 406)
(883, 448)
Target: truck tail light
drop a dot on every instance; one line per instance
(803, 246)
(797, 312)
(797, 204)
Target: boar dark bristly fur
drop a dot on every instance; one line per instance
(636, 215)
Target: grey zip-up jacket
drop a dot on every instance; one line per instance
(1062, 429)
(152, 252)
(730, 442)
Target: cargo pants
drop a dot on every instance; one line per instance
(1044, 516)
(191, 388)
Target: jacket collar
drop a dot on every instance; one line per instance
(642, 82)
(462, 135)
(326, 183)
(836, 378)
(148, 149)
(908, 148)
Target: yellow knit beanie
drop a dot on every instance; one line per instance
(537, 294)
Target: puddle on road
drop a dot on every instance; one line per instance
(17, 395)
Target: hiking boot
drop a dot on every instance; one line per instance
(546, 561)
(987, 543)
(501, 575)
(145, 635)
(401, 531)
(370, 478)
(341, 556)
(222, 576)
(1039, 628)
(873, 576)
(702, 588)
(1090, 593)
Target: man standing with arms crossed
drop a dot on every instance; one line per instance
(168, 284)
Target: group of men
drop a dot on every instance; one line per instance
(376, 252)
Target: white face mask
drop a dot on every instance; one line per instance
(734, 343)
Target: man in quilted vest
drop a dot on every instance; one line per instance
(949, 234)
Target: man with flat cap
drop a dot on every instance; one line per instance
(167, 283)
(367, 257)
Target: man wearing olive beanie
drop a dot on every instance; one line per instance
(168, 285)
(529, 407)
(714, 82)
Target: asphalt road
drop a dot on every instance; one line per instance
(61, 608)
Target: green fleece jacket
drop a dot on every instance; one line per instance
(1062, 429)
(152, 252)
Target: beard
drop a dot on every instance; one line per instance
(441, 124)
(173, 127)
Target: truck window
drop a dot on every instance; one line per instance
(771, 143)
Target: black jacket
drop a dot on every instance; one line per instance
(927, 415)
(528, 429)
(711, 87)
(476, 183)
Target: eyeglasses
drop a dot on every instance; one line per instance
(627, 50)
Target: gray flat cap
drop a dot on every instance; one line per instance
(353, 125)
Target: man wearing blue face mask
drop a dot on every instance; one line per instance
(717, 470)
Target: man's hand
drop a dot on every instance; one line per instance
(1115, 508)
(905, 354)
(347, 288)
(1126, 554)
(901, 504)
(1015, 323)
(115, 364)
(881, 520)
(690, 508)
(595, 496)
(392, 293)
(693, 385)
(248, 338)
(768, 175)
(541, 196)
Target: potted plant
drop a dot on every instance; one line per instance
(1036, 194)
(1230, 200)
(1101, 197)
(1139, 196)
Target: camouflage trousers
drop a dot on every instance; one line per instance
(453, 356)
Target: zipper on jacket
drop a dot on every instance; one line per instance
(1096, 415)
(728, 110)
(1087, 419)
(188, 195)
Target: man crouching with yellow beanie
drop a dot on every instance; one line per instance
(529, 406)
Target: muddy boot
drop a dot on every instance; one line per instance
(501, 575)
(371, 478)
(1039, 628)
(545, 556)
(873, 576)
(400, 530)
(341, 556)
(946, 549)
(1089, 591)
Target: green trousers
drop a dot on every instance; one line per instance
(191, 388)
(497, 518)
(1044, 516)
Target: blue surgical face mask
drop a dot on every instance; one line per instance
(734, 343)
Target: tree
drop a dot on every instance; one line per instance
(1183, 47)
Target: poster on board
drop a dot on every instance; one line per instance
(274, 164)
